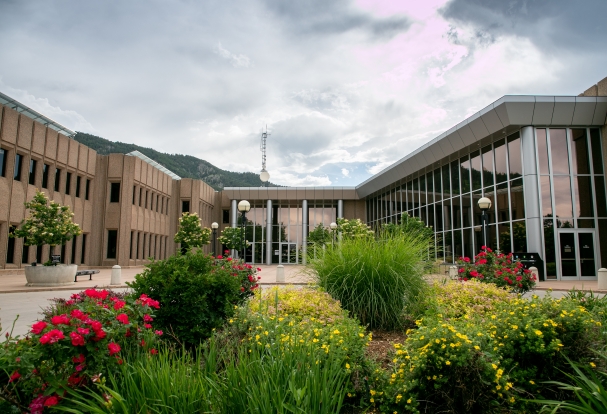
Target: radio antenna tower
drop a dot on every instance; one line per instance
(264, 176)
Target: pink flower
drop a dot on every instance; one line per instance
(229, 259)
(159, 333)
(220, 257)
(147, 326)
(77, 339)
(147, 318)
(51, 337)
(113, 347)
(60, 320)
(84, 331)
(15, 376)
(38, 327)
(124, 318)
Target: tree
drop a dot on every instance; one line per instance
(233, 238)
(48, 223)
(191, 234)
(353, 229)
(320, 235)
(408, 225)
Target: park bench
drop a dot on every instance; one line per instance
(90, 273)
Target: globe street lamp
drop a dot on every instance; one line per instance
(484, 204)
(244, 206)
(214, 226)
(333, 227)
(264, 176)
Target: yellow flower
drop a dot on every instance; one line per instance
(347, 366)
(409, 401)
(448, 362)
(531, 382)
(593, 365)
(477, 347)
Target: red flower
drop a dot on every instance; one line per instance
(242, 289)
(147, 326)
(84, 331)
(51, 337)
(147, 318)
(95, 325)
(220, 257)
(38, 327)
(99, 335)
(77, 339)
(60, 320)
(153, 351)
(50, 401)
(74, 379)
(113, 347)
(78, 314)
(124, 318)
(481, 261)
(473, 273)
(229, 259)
(119, 304)
(79, 359)
(15, 376)
(159, 333)
(259, 269)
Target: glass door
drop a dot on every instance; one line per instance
(577, 254)
(288, 253)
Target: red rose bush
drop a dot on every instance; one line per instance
(78, 340)
(497, 268)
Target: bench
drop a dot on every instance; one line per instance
(90, 273)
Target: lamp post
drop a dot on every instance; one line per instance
(244, 206)
(264, 176)
(214, 226)
(484, 204)
(333, 227)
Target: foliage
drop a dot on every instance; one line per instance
(233, 238)
(185, 166)
(408, 225)
(47, 223)
(198, 292)
(191, 233)
(320, 235)
(78, 339)
(587, 384)
(497, 268)
(374, 280)
(353, 229)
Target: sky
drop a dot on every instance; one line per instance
(344, 87)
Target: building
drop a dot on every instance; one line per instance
(540, 159)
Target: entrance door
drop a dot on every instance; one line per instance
(288, 253)
(577, 254)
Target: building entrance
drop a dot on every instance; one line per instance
(288, 253)
(577, 254)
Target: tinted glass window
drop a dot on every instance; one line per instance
(438, 189)
(501, 172)
(185, 206)
(57, 178)
(446, 181)
(601, 202)
(112, 243)
(558, 151)
(78, 179)
(88, 186)
(68, 182)
(514, 156)
(597, 155)
(455, 177)
(114, 192)
(18, 162)
(487, 166)
(422, 190)
(45, 169)
(579, 152)
(32, 178)
(542, 151)
(562, 196)
(3, 154)
(546, 196)
(10, 248)
(465, 174)
(582, 188)
(517, 199)
(475, 170)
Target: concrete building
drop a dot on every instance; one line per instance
(540, 159)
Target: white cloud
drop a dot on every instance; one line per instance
(238, 61)
(345, 172)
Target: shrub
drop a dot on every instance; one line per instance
(233, 238)
(197, 292)
(499, 269)
(190, 233)
(374, 280)
(353, 229)
(78, 339)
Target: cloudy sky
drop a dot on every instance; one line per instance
(345, 87)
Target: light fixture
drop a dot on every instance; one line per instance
(484, 204)
(333, 226)
(244, 206)
(264, 176)
(214, 226)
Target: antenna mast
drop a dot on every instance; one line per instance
(264, 176)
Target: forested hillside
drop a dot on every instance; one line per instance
(184, 166)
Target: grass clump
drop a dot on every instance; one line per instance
(375, 279)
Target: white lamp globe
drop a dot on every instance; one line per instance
(484, 203)
(264, 176)
(214, 225)
(244, 205)
(333, 226)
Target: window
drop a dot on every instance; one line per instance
(88, 186)
(32, 179)
(68, 182)
(26, 252)
(18, 161)
(146, 199)
(131, 247)
(157, 198)
(226, 216)
(185, 206)
(112, 242)
(73, 250)
(78, 179)
(140, 195)
(114, 192)
(10, 249)
(57, 178)
(134, 191)
(83, 249)
(45, 168)
(3, 154)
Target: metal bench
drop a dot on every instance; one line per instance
(90, 273)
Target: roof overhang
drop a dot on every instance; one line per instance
(291, 193)
(503, 116)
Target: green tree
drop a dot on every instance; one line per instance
(233, 238)
(353, 229)
(191, 234)
(48, 223)
(321, 235)
(408, 225)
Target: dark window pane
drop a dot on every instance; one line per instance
(32, 178)
(585, 223)
(466, 211)
(550, 254)
(501, 198)
(422, 214)
(438, 216)
(112, 242)
(457, 212)
(455, 177)
(430, 222)
(568, 254)
(505, 238)
(422, 190)
(430, 188)
(599, 185)
(68, 182)
(57, 178)
(582, 188)
(517, 199)
(73, 250)
(114, 192)
(157, 198)
(579, 152)
(446, 182)
(476, 211)
(447, 214)
(603, 241)
(146, 200)
(78, 182)
(45, 169)
(475, 170)
(487, 166)
(562, 197)
(457, 244)
(10, 248)
(468, 247)
(514, 156)
(63, 256)
(82, 253)
(465, 174)
(134, 194)
(490, 194)
(438, 188)
(542, 151)
(546, 196)
(448, 246)
(501, 171)
(597, 154)
(88, 187)
(558, 151)
(18, 162)
(226, 216)
(140, 196)
(185, 206)
(519, 236)
(25, 252)
(3, 154)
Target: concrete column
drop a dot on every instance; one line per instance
(533, 215)
(234, 220)
(116, 275)
(269, 232)
(340, 208)
(304, 224)
(602, 279)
